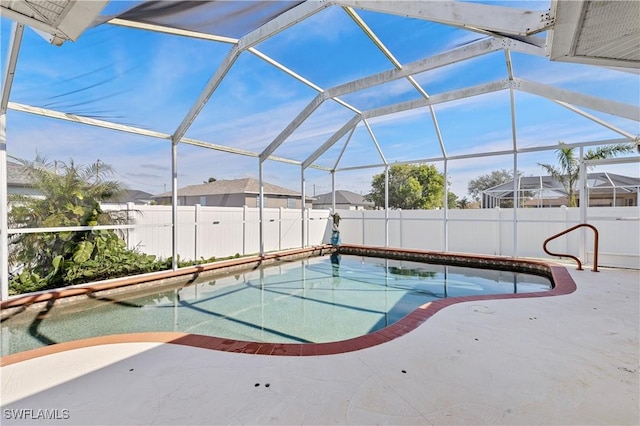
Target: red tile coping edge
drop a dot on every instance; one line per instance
(563, 284)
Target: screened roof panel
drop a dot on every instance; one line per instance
(253, 95)
(475, 71)
(101, 76)
(407, 135)
(401, 35)
(225, 18)
(316, 130)
(328, 49)
(463, 134)
(396, 91)
(270, 93)
(361, 150)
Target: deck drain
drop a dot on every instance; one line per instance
(131, 369)
(267, 385)
(404, 371)
(257, 384)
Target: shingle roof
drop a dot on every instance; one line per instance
(132, 196)
(233, 186)
(343, 197)
(18, 175)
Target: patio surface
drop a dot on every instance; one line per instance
(570, 359)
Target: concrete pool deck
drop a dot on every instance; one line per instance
(569, 359)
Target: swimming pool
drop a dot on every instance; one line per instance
(314, 300)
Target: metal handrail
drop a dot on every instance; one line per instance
(595, 245)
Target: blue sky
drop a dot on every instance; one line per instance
(150, 80)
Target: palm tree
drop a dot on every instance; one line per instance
(568, 170)
(71, 196)
(463, 203)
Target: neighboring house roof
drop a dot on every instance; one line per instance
(233, 186)
(18, 175)
(133, 196)
(344, 197)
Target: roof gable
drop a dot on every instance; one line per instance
(18, 175)
(343, 197)
(232, 186)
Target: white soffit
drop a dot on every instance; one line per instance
(597, 32)
(60, 20)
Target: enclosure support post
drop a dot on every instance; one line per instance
(514, 137)
(582, 199)
(386, 206)
(7, 81)
(303, 207)
(174, 205)
(516, 182)
(4, 227)
(446, 207)
(261, 206)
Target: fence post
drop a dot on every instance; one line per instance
(129, 208)
(400, 219)
(244, 230)
(197, 214)
(280, 214)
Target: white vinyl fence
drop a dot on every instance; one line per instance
(490, 231)
(204, 232)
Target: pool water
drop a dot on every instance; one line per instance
(322, 299)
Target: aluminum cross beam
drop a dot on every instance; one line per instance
(467, 92)
(604, 105)
(332, 140)
(137, 131)
(597, 120)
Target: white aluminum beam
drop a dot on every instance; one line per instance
(332, 140)
(495, 19)
(460, 54)
(291, 127)
(608, 161)
(506, 152)
(438, 99)
(137, 131)
(202, 100)
(7, 81)
(169, 30)
(284, 69)
(604, 105)
(85, 120)
(597, 120)
(375, 142)
(344, 148)
(282, 22)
